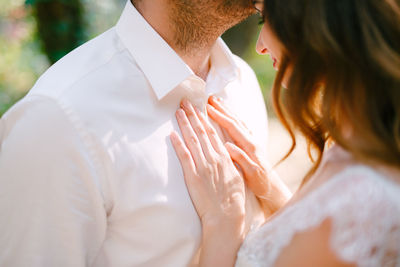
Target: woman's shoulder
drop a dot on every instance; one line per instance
(363, 206)
(355, 188)
(349, 178)
(362, 184)
(357, 195)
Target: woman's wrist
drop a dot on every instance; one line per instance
(276, 193)
(220, 245)
(225, 230)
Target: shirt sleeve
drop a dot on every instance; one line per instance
(51, 207)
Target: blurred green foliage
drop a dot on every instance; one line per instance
(60, 26)
(242, 41)
(21, 61)
(36, 33)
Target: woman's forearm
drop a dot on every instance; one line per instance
(219, 247)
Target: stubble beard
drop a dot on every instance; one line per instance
(198, 23)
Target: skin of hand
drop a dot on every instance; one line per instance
(215, 186)
(218, 194)
(265, 184)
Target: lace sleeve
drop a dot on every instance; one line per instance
(365, 213)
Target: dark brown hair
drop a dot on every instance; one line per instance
(344, 56)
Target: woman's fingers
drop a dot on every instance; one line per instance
(217, 104)
(212, 134)
(254, 174)
(199, 129)
(215, 187)
(183, 154)
(247, 165)
(191, 140)
(193, 182)
(239, 135)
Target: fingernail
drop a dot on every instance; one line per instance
(185, 103)
(229, 145)
(217, 98)
(180, 113)
(174, 135)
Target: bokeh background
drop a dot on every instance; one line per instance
(36, 33)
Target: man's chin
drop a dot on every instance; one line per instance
(198, 25)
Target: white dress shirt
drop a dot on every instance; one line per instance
(88, 176)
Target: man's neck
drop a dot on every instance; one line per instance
(155, 12)
(200, 63)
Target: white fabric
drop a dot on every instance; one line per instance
(364, 207)
(88, 176)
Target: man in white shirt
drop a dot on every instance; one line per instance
(88, 176)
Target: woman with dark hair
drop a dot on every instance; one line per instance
(340, 63)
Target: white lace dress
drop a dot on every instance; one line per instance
(364, 207)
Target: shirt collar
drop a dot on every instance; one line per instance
(223, 70)
(223, 62)
(161, 65)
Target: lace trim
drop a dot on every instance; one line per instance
(368, 235)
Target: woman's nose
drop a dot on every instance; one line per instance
(260, 47)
